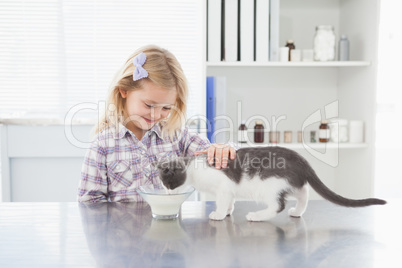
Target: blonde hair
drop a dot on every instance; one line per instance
(165, 71)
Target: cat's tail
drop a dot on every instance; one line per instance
(329, 195)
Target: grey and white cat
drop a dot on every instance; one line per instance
(265, 174)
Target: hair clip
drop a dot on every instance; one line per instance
(139, 71)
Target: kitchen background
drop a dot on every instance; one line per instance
(58, 58)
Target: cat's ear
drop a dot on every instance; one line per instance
(161, 165)
(157, 165)
(154, 164)
(186, 160)
(181, 162)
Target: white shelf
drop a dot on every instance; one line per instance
(329, 145)
(291, 64)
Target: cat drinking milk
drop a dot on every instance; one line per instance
(266, 174)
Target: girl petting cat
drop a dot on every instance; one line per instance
(143, 123)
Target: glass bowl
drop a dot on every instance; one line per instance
(163, 204)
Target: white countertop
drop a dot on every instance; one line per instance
(125, 235)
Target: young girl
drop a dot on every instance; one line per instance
(143, 123)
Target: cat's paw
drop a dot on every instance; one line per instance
(216, 216)
(253, 216)
(293, 213)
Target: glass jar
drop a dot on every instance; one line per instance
(339, 130)
(258, 132)
(324, 43)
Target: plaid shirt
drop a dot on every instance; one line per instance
(117, 162)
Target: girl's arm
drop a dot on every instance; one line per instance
(93, 184)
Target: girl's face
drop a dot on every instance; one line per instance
(147, 106)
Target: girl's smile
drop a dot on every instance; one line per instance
(149, 121)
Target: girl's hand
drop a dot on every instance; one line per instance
(219, 153)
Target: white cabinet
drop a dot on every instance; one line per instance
(297, 90)
(42, 163)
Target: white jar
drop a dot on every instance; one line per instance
(339, 130)
(324, 43)
(356, 131)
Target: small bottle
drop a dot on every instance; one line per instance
(287, 136)
(258, 132)
(343, 130)
(242, 134)
(290, 44)
(300, 136)
(274, 136)
(313, 136)
(343, 53)
(324, 133)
